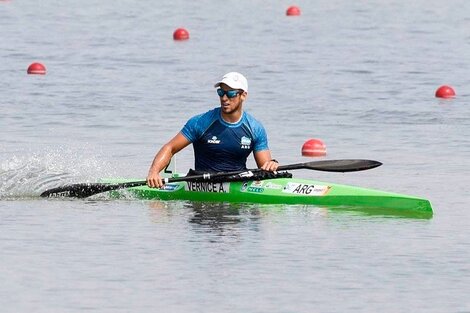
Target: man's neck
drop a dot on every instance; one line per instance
(233, 117)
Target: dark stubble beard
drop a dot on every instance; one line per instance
(232, 110)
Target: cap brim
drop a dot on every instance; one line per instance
(222, 82)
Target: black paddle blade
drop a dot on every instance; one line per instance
(346, 165)
(85, 190)
(75, 191)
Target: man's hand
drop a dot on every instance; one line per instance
(271, 166)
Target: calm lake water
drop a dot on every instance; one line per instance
(360, 75)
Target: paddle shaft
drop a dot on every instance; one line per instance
(88, 189)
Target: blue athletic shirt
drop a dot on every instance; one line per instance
(220, 146)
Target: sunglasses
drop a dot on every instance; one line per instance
(230, 93)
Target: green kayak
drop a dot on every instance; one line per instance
(281, 191)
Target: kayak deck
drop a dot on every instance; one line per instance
(281, 191)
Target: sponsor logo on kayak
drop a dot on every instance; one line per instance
(255, 189)
(306, 189)
(170, 187)
(244, 186)
(214, 140)
(255, 186)
(245, 142)
(270, 185)
(207, 187)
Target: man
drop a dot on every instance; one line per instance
(222, 138)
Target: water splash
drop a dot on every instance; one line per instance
(29, 175)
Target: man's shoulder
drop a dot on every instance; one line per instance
(209, 115)
(251, 120)
(199, 123)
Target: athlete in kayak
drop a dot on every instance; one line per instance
(222, 138)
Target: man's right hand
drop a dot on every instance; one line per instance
(154, 180)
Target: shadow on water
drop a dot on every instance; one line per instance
(214, 218)
(214, 215)
(380, 212)
(223, 219)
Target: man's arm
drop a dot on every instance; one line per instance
(265, 161)
(163, 157)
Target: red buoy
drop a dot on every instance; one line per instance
(37, 68)
(180, 34)
(445, 92)
(314, 148)
(293, 11)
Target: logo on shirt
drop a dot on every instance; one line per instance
(214, 140)
(245, 143)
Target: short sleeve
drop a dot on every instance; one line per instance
(197, 125)
(261, 138)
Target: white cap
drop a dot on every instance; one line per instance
(234, 80)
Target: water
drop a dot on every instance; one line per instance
(359, 75)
